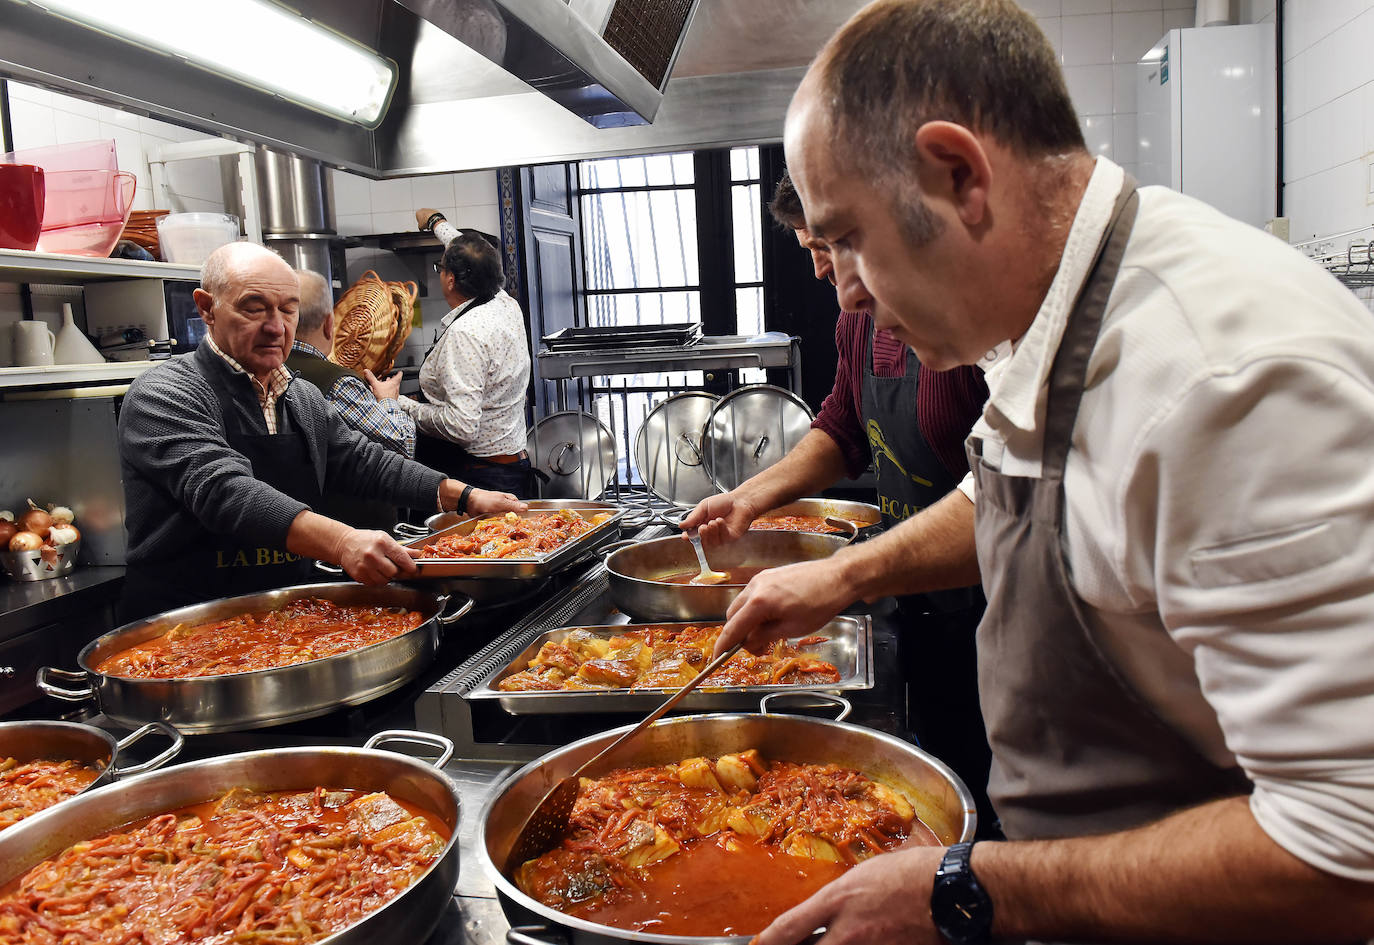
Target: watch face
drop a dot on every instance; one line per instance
(962, 914)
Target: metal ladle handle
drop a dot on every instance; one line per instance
(671, 701)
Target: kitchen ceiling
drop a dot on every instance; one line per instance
(454, 108)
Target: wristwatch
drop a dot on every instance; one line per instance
(959, 905)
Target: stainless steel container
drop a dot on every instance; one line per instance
(93, 747)
(409, 917)
(868, 519)
(636, 571)
(941, 800)
(849, 646)
(264, 697)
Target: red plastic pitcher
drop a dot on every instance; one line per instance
(22, 194)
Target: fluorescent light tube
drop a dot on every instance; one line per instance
(255, 42)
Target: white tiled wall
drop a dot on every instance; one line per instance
(363, 206)
(1099, 42)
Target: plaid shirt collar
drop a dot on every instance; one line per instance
(305, 347)
(268, 394)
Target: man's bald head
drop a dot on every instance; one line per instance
(248, 298)
(222, 265)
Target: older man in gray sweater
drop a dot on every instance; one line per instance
(224, 457)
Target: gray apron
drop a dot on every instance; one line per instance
(1075, 749)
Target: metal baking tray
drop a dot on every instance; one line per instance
(849, 647)
(533, 567)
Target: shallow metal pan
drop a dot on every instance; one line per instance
(409, 917)
(537, 567)
(635, 571)
(940, 798)
(240, 701)
(849, 647)
(90, 746)
(441, 520)
(868, 519)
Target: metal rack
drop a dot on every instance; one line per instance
(1353, 265)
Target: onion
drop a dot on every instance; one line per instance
(61, 515)
(25, 541)
(63, 534)
(7, 531)
(6, 516)
(35, 520)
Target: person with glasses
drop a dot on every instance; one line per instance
(471, 423)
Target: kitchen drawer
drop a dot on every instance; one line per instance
(20, 659)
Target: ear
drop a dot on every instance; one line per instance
(205, 304)
(328, 326)
(954, 167)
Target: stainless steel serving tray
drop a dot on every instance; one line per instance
(850, 648)
(867, 518)
(531, 568)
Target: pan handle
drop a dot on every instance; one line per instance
(46, 684)
(415, 738)
(157, 761)
(845, 706)
(531, 935)
(447, 619)
(407, 530)
(328, 568)
(610, 548)
(667, 517)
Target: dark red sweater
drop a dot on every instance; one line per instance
(947, 402)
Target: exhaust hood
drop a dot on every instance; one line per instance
(483, 83)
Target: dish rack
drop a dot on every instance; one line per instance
(1353, 265)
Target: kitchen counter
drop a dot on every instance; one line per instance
(26, 605)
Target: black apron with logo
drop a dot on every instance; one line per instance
(936, 640)
(1076, 749)
(220, 565)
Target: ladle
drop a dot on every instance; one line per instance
(707, 576)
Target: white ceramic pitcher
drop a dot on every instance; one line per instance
(33, 343)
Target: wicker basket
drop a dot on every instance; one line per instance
(372, 322)
(31, 566)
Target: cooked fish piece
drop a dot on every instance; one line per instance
(697, 773)
(378, 811)
(809, 846)
(735, 774)
(662, 847)
(608, 672)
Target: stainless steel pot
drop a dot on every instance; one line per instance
(940, 798)
(868, 519)
(91, 746)
(636, 571)
(263, 697)
(409, 917)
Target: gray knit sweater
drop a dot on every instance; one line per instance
(181, 476)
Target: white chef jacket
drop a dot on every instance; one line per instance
(475, 379)
(1220, 500)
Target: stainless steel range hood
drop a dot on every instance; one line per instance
(483, 83)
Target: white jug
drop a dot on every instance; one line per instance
(33, 343)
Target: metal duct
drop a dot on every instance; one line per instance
(296, 199)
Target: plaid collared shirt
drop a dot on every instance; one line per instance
(268, 393)
(382, 421)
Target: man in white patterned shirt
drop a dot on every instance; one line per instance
(474, 379)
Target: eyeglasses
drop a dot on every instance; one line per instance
(438, 266)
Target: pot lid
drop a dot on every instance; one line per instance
(576, 451)
(751, 429)
(668, 449)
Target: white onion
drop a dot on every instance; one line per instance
(6, 516)
(63, 534)
(61, 515)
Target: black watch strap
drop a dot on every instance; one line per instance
(960, 907)
(433, 219)
(462, 505)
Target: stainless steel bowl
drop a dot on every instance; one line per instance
(86, 744)
(264, 697)
(940, 798)
(409, 917)
(636, 571)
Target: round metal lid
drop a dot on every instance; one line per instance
(576, 451)
(751, 429)
(668, 449)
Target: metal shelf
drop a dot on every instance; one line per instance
(719, 352)
(17, 265)
(68, 375)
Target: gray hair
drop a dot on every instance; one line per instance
(317, 302)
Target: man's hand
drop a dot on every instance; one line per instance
(422, 217)
(371, 557)
(791, 601)
(883, 899)
(721, 518)
(384, 389)
(486, 502)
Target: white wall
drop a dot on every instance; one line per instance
(1099, 42)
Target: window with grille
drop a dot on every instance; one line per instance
(652, 225)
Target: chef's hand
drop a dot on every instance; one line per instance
(720, 518)
(484, 502)
(371, 557)
(384, 389)
(792, 601)
(882, 899)
(422, 217)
